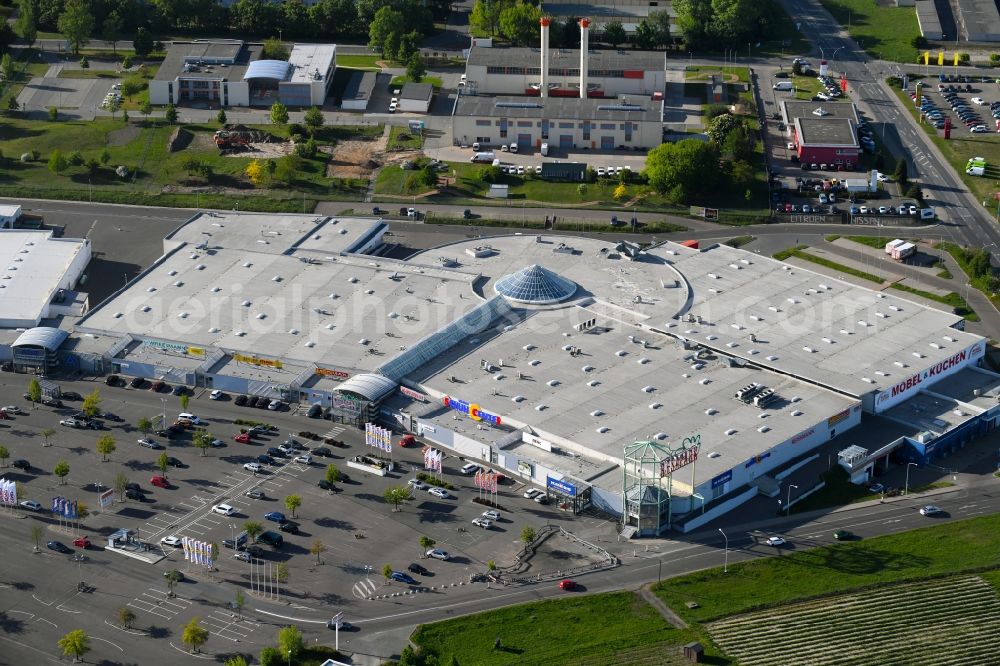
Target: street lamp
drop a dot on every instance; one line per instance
(289, 658)
(906, 486)
(725, 566)
(788, 501)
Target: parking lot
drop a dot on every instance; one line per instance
(359, 530)
(49, 91)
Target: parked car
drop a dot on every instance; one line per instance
(275, 516)
(439, 492)
(241, 400)
(322, 452)
(159, 481)
(171, 540)
(81, 542)
(482, 522)
(417, 569)
(253, 467)
(58, 546)
(272, 539)
(438, 554)
(148, 443)
(223, 509)
(71, 395)
(21, 464)
(265, 459)
(289, 526)
(491, 515)
(242, 438)
(113, 380)
(216, 395)
(174, 462)
(470, 468)
(402, 577)
(30, 505)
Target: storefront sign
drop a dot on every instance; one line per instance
(837, 418)
(332, 373)
(756, 460)
(912, 384)
(196, 351)
(166, 346)
(678, 459)
(254, 360)
(802, 435)
(472, 409)
(560, 486)
(722, 479)
(410, 393)
(536, 441)
(345, 405)
(524, 468)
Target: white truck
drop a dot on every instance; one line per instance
(486, 157)
(782, 85)
(903, 251)
(891, 245)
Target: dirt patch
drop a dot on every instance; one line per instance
(124, 136)
(363, 158)
(180, 139)
(262, 150)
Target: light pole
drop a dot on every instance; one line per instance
(725, 566)
(788, 501)
(906, 486)
(289, 658)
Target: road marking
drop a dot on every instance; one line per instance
(104, 640)
(364, 588)
(287, 617)
(42, 602)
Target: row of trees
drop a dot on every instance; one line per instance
(517, 21)
(111, 20)
(708, 24)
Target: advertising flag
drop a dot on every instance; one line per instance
(387, 440)
(5, 491)
(495, 481)
(940, 57)
(75, 510)
(427, 453)
(55, 505)
(927, 58)
(479, 479)
(956, 59)
(184, 545)
(440, 458)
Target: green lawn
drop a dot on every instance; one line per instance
(881, 30)
(400, 138)
(983, 284)
(401, 80)
(359, 61)
(806, 86)
(939, 550)
(615, 629)
(701, 73)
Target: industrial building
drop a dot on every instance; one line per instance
(606, 73)
(416, 97)
(664, 385)
(231, 73)
(358, 91)
(564, 123)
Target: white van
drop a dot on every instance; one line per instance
(782, 85)
(190, 417)
(513, 147)
(545, 150)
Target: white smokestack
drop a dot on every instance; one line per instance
(544, 89)
(584, 47)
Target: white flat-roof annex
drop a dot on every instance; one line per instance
(33, 265)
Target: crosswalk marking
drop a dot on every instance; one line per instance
(363, 588)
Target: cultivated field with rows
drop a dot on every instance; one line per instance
(933, 623)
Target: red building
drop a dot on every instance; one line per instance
(830, 141)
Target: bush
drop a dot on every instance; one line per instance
(490, 174)
(920, 42)
(714, 110)
(963, 58)
(76, 158)
(296, 128)
(994, 58)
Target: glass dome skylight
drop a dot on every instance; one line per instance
(535, 285)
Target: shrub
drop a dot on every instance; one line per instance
(76, 158)
(963, 58)
(994, 58)
(296, 128)
(490, 174)
(713, 110)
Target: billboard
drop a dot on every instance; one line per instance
(471, 409)
(560, 486)
(256, 360)
(910, 386)
(332, 373)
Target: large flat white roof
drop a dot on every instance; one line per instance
(308, 59)
(33, 265)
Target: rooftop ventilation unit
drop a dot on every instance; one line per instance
(214, 329)
(643, 361)
(518, 398)
(172, 273)
(145, 308)
(655, 405)
(603, 429)
(240, 334)
(764, 398)
(763, 428)
(541, 407)
(247, 264)
(597, 413)
(216, 290)
(528, 348)
(593, 383)
(731, 432)
(182, 315)
(150, 289)
(796, 413)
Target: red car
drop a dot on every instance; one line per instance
(81, 542)
(567, 584)
(159, 481)
(242, 438)
(407, 440)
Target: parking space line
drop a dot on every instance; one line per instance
(151, 611)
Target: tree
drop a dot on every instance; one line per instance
(185, 401)
(7, 67)
(92, 404)
(293, 502)
(12, 104)
(519, 23)
(290, 642)
(132, 86)
(202, 439)
(314, 119)
(620, 192)
(386, 23)
(274, 49)
(145, 108)
(395, 495)
(194, 635)
(694, 20)
(173, 577)
(279, 114)
(239, 602)
(408, 45)
(253, 529)
(105, 446)
(739, 145)
(4, 454)
(683, 169)
(720, 127)
(614, 33)
(221, 117)
(528, 535)
(105, 156)
(426, 543)
(486, 15)
(162, 463)
(170, 114)
(125, 617)
(256, 172)
(142, 43)
(742, 174)
(111, 30)
(120, 484)
(36, 534)
(491, 565)
(237, 660)
(76, 23)
(53, 114)
(62, 471)
(387, 572)
(415, 68)
(271, 656)
(317, 549)
(281, 572)
(34, 390)
(48, 432)
(901, 175)
(659, 21)
(27, 21)
(581, 189)
(75, 644)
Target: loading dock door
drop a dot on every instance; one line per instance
(566, 141)
(607, 143)
(523, 140)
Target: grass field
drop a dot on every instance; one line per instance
(402, 79)
(939, 622)
(883, 31)
(400, 138)
(934, 551)
(616, 629)
(701, 73)
(359, 61)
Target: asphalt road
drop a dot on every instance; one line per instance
(962, 214)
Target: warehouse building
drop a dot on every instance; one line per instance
(607, 73)
(416, 97)
(358, 91)
(566, 123)
(561, 361)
